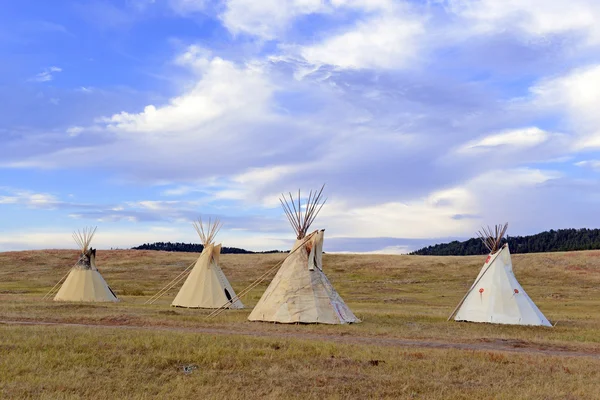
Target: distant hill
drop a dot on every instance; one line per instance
(195, 248)
(549, 241)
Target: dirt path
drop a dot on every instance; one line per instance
(514, 346)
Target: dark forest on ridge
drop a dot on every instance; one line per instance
(195, 248)
(548, 241)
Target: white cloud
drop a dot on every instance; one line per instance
(388, 250)
(85, 89)
(367, 5)
(263, 174)
(593, 164)
(380, 42)
(224, 124)
(196, 57)
(579, 90)
(255, 134)
(155, 205)
(576, 95)
(46, 75)
(534, 17)
(518, 178)
(418, 218)
(457, 211)
(224, 88)
(244, 186)
(28, 198)
(515, 138)
(104, 238)
(107, 238)
(266, 18)
(188, 6)
(123, 237)
(75, 130)
(179, 190)
(382, 135)
(270, 19)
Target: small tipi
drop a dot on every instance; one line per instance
(300, 292)
(206, 286)
(496, 296)
(84, 282)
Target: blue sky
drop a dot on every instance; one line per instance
(426, 119)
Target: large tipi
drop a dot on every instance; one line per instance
(84, 282)
(206, 286)
(496, 296)
(300, 292)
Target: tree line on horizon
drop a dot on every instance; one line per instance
(547, 241)
(195, 248)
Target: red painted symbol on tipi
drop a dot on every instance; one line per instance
(481, 290)
(516, 291)
(487, 260)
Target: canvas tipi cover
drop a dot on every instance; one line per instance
(496, 296)
(84, 282)
(300, 291)
(206, 286)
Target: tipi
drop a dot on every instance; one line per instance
(496, 296)
(84, 282)
(300, 292)
(206, 286)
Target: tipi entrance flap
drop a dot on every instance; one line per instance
(315, 258)
(311, 248)
(319, 249)
(93, 259)
(207, 252)
(216, 253)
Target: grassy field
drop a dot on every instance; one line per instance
(402, 298)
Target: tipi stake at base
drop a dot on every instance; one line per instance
(55, 288)
(169, 285)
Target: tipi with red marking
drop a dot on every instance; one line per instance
(496, 296)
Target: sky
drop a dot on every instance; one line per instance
(425, 119)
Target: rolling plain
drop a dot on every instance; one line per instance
(403, 348)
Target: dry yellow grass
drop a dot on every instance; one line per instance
(406, 297)
(70, 363)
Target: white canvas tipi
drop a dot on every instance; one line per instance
(300, 292)
(84, 282)
(206, 286)
(496, 296)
